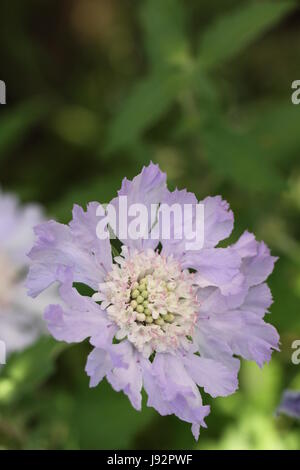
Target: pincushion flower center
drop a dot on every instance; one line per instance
(152, 301)
(7, 278)
(144, 305)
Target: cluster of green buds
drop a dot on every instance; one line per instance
(140, 304)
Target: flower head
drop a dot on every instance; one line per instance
(151, 300)
(163, 316)
(21, 320)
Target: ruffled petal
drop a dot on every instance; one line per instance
(128, 379)
(233, 323)
(81, 318)
(245, 333)
(99, 363)
(171, 390)
(56, 247)
(211, 344)
(155, 398)
(83, 227)
(213, 376)
(181, 227)
(258, 300)
(257, 262)
(103, 359)
(218, 220)
(211, 299)
(218, 267)
(246, 246)
(217, 223)
(147, 188)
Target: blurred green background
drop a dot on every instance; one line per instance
(97, 88)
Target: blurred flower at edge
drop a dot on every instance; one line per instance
(21, 321)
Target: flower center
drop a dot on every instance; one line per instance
(151, 299)
(7, 278)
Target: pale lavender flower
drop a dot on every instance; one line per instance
(21, 318)
(162, 317)
(290, 404)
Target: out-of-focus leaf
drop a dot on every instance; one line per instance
(149, 100)
(76, 125)
(28, 369)
(240, 27)
(164, 27)
(262, 385)
(239, 159)
(253, 431)
(106, 419)
(276, 126)
(101, 189)
(16, 122)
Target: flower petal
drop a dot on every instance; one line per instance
(216, 267)
(258, 300)
(81, 318)
(244, 333)
(83, 227)
(290, 404)
(99, 363)
(147, 188)
(128, 379)
(172, 390)
(213, 376)
(180, 225)
(212, 345)
(58, 247)
(218, 220)
(257, 262)
(246, 246)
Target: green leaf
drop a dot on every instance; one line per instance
(239, 159)
(28, 369)
(232, 33)
(149, 100)
(164, 29)
(16, 122)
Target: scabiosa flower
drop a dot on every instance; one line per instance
(162, 317)
(21, 320)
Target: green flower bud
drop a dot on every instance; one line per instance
(135, 293)
(140, 308)
(169, 318)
